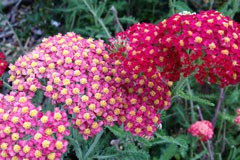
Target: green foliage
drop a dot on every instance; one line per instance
(179, 6)
(194, 98)
(230, 8)
(169, 152)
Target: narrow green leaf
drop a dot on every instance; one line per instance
(198, 156)
(117, 131)
(167, 139)
(106, 157)
(93, 145)
(194, 98)
(169, 152)
(181, 6)
(144, 141)
(100, 8)
(128, 20)
(179, 85)
(77, 149)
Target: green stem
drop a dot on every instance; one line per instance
(115, 13)
(207, 149)
(5, 84)
(220, 101)
(191, 102)
(98, 18)
(211, 4)
(15, 34)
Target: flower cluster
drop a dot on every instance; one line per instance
(27, 133)
(237, 119)
(142, 98)
(94, 88)
(202, 129)
(77, 75)
(139, 47)
(3, 65)
(206, 43)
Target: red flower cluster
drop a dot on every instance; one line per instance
(205, 44)
(3, 65)
(202, 129)
(139, 47)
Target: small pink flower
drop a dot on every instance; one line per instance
(202, 129)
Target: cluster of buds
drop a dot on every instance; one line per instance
(27, 132)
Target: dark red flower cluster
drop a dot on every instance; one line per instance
(139, 47)
(207, 45)
(204, 44)
(3, 65)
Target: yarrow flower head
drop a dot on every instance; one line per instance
(202, 129)
(3, 65)
(237, 119)
(96, 89)
(138, 47)
(27, 132)
(205, 44)
(77, 75)
(142, 98)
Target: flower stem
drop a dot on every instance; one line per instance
(98, 18)
(211, 4)
(209, 147)
(191, 102)
(220, 100)
(5, 84)
(210, 150)
(200, 113)
(115, 13)
(15, 34)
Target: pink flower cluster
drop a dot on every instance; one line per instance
(237, 119)
(27, 133)
(95, 89)
(204, 44)
(202, 129)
